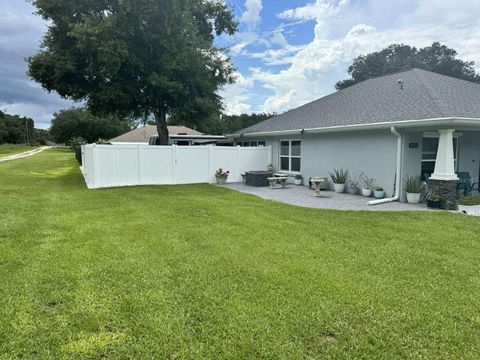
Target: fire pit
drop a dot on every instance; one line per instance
(257, 178)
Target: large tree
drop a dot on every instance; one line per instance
(397, 57)
(135, 57)
(79, 122)
(221, 123)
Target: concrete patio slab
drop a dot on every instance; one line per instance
(302, 196)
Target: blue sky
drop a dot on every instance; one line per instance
(287, 52)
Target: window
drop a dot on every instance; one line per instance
(290, 154)
(429, 154)
(250, 143)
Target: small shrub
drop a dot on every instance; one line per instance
(76, 141)
(368, 183)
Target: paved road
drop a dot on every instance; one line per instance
(24, 154)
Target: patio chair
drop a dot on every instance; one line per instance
(465, 182)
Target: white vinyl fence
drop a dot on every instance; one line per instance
(126, 165)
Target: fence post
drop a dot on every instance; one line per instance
(210, 163)
(237, 163)
(139, 165)
(95, 166)
(174, 163)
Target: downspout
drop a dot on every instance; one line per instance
(398, 179)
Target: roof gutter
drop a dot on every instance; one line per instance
(460, 121)
(398, 178)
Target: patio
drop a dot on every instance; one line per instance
(302, 196)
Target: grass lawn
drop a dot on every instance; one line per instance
(9, 149)
(201, 272)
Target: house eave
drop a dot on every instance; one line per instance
(404, 124)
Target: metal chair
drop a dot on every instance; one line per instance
(465, 182)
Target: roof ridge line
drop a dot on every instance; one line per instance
(429, 91)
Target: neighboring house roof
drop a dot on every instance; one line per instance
(425, 95)
(143, 134)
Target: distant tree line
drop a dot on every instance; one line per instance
(81, 123)
(16, 130)
(221, 124)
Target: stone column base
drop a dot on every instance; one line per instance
(447, 192)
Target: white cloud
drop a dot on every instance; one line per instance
(251, 16)
(237, 96)
(344, 30)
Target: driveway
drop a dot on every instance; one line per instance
(24, 154)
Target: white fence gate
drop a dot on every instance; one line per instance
(126, 165)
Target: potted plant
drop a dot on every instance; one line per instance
(378, 193)
(298, 179)
(339, 178)
(352, 185)
(433, 198)
(413, 188)
(368, 184)
(221, 176)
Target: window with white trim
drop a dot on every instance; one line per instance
(429, 153)
(290, 155)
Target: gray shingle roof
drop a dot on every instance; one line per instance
(425, 95)
(143, 134)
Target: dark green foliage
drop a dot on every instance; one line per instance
(79, 122)
(135, 57)
(42, 136)
(398, 57)
(221, 124)
(16, 130)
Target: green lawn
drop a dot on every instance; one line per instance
(201, 272)
(9, 149)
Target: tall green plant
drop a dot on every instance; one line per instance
(413, 184)
(339, 176)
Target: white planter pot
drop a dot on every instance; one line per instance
(367, 192)
(413, 198)
(298, 181)
(339, 188)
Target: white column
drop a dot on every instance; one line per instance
(445, 163)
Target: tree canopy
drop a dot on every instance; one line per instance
(16, 130)
(221, 124)
(398, 57)
(136, 57)
(80, 122)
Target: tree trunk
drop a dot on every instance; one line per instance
(161, 120)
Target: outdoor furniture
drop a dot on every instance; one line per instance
(257, 178)
(465, 183)
(318, 183)
(243, 177)
(278, 180)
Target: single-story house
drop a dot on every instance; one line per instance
(411, 123)
(179, 135)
